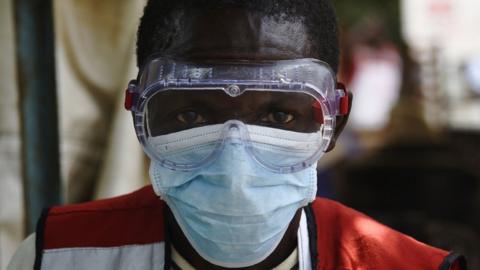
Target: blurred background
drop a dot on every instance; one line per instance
(410, 156)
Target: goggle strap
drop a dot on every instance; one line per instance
(343, 101)
(130, 95)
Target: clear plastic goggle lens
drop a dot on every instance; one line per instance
(171, 111)
(283, 112)
(188, 127)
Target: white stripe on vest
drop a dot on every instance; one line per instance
(138, 257)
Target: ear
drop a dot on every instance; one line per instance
(341, 121)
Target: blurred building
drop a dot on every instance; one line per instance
(443, 36)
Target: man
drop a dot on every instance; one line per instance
(235, 102)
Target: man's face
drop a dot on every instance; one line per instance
(235, 34)
(236, 189)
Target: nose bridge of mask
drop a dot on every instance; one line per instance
(233, 162)
(267, 146)
(233, 132)
(234, 152)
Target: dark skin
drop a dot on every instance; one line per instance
(173, 111)
(238, 34)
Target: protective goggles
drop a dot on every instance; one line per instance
(282, 112)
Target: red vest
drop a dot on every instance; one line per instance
(340, 238)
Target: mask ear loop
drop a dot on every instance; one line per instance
(168, 248)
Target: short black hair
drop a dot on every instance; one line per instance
(157, 27)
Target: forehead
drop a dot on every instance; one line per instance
(235, 33)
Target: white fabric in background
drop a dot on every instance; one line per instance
(95, 61)
(11, 193)
(100, 156)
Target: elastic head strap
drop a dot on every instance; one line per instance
(130, 95)
(342, 96)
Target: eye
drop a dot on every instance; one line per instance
(278, 117)
(190, 118)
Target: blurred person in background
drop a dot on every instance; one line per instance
(373, 71)
(229, 188)
(419, 179)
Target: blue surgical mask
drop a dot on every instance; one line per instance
(233, 211)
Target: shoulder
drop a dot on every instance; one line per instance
(355, 241)
(135, 218)
(142, 198)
